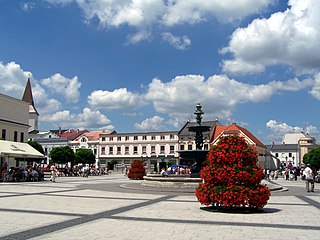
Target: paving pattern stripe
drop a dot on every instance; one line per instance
(42, 212)
(218, 223)
(288, 204)
(40, 193)
(97, 197)
(310, 201)
(35, 232)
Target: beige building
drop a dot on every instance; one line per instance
(156, 148)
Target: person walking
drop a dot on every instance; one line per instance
(309, 178)
(53, 170)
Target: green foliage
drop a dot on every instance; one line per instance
(36, 146)
(62, 155)
(313, 158)
(84, 155)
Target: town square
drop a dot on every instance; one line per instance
(140, 119)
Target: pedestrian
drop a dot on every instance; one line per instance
(309, 178)
(53, 170)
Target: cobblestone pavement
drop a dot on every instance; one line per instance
(113, 207)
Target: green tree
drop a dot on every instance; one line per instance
(84, 155)
(313, 158)
(62, 155)
(36, 146)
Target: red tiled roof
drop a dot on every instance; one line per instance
(71, 134)
(92, 136)
(234, 128)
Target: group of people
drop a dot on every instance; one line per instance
(77, 170)
(18, 174)
(177, 170)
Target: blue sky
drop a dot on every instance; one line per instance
(142, 65)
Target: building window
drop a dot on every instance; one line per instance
(103, 150)
(126, 150)
(162, 149)
(95, 151)
(189, 147)
(118, 150)
(144, 137)
(171, 136)
(15, 136)
(172, 149)
(153, 137)
(290, 155)
(153, 149)
(22, 137)
(118, 139)
(110, 139)
(83, 139)
(162, 137)
(111, 150)
(127, 138)
(277, 154)
(135, 138)
(103, 139)
(3, 134)
(205, 146)
(144, 149)
(135, 150)
(181, 147)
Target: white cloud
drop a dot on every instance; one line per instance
(59, 84)
(144, 14)
(178, 97)
(180, 43)
(13, 79)
(193, 11)
(27, 6)
(279, 129)
(88, 119)
(290, 37)
(315, 91)
(151, 124)
(118, 99)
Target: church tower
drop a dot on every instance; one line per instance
(33, 113)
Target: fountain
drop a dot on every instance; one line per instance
(197, 156)
(193, 158)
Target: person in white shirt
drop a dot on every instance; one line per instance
(53, 170)
(309, 178)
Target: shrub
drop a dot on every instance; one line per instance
(137, 170)
(231, 178)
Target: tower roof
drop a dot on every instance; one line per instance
(27, 97)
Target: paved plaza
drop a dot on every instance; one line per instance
(113, 207)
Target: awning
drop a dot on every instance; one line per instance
(18, 150)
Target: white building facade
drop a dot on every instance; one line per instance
(156, 148)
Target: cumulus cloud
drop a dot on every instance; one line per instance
(88, 119)
(193, 11)
(13, 79)
(290, 37)
(315, 91)
(144, 14)
(13, 82)
(217, 94)
(151, 124)
(180, 43)
(118, 99)
(27, 6)
(59, 84)
(278, 129)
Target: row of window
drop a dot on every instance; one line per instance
(117, 150)
(136, 138)
(15, 135)
(205, 147)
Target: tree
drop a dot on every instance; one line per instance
(36, 146)
(84, 155)
(62, 155)
(137, 170)
(231, 178)
(313, 158)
